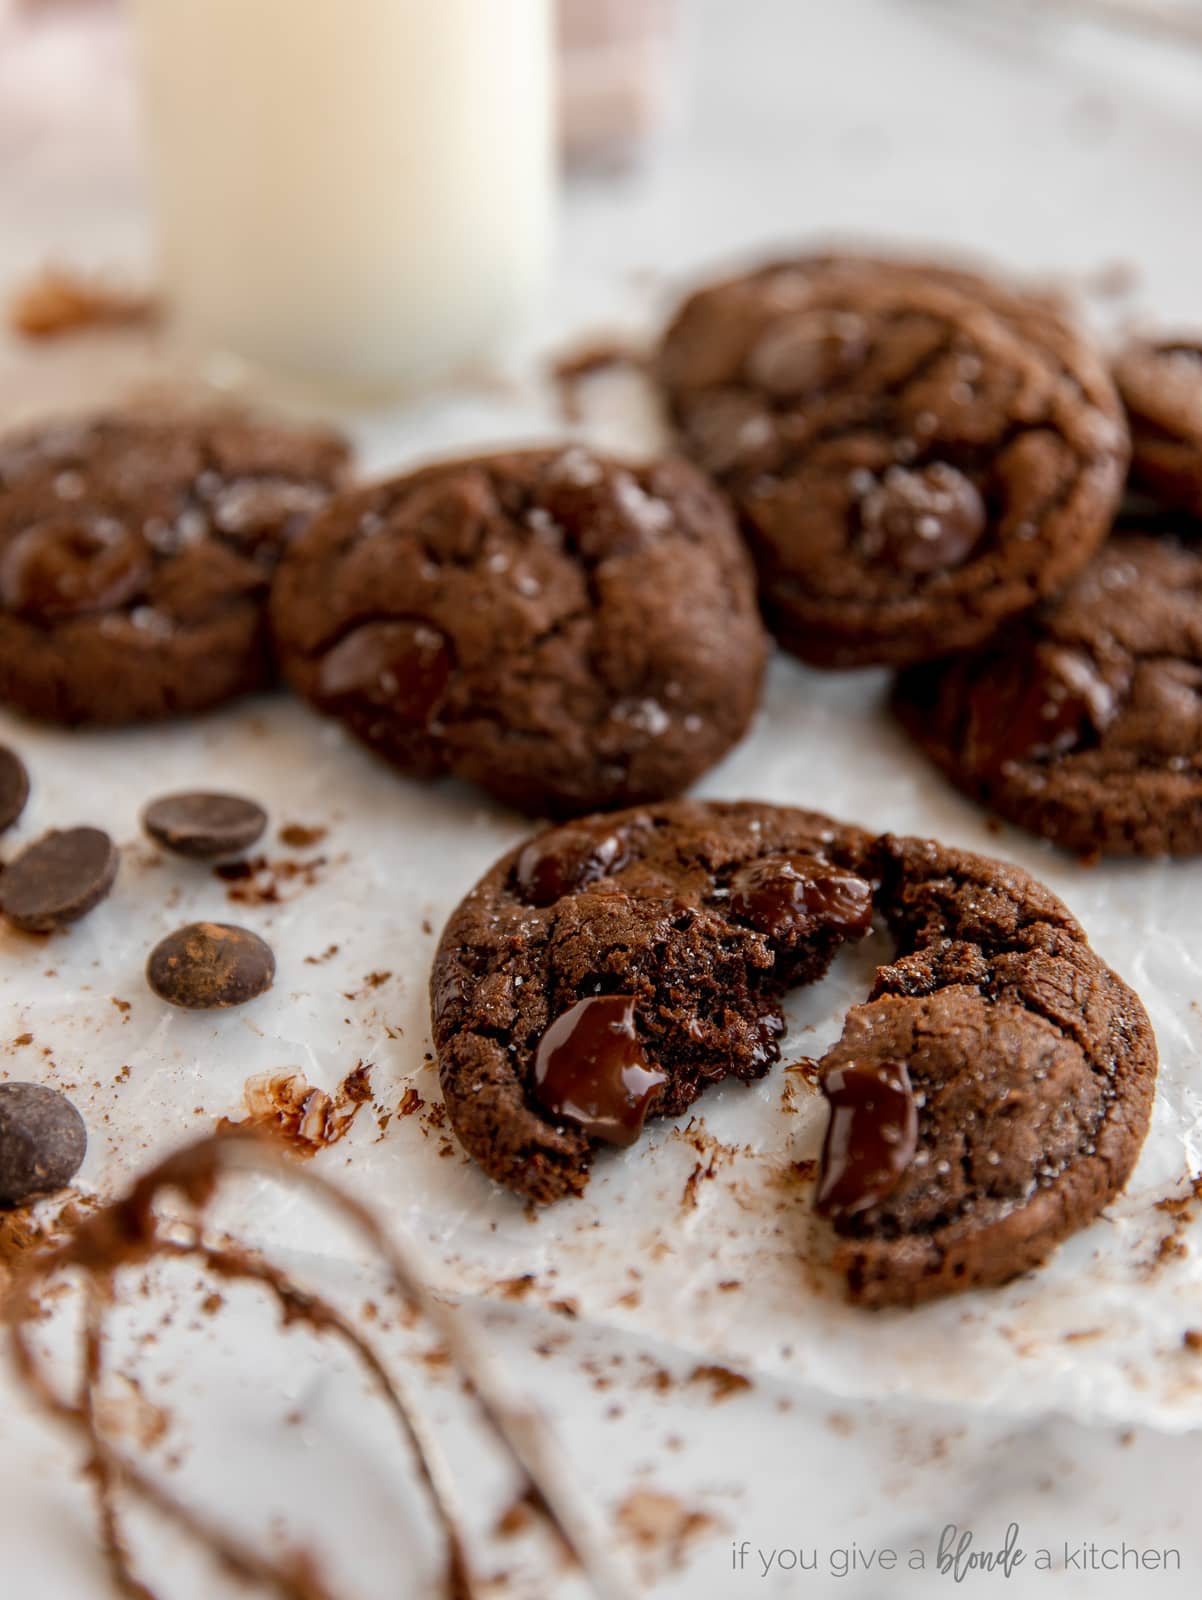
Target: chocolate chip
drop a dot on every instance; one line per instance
(42, 1142)
(922, 520)
(605, 513)
(14, 787)
(566, 861)
(769, 1029)
(871, 1137)
(209, 965)
(808, 352)
(783, 896)
(58, 878)
(402, 665)
(590, 1069)
(56, 570)
(204, 826)
(1054, 707)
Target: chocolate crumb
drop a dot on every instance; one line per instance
(327, 954)
(60, 301)
(722, 1381)
(409, 1102)
(517, 1288)
(515, 1519)
(299, 837)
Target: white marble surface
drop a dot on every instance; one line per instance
(1043, 144)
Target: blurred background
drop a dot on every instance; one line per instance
(1059, 137)
(347, 185)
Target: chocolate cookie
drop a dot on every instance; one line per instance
(611, 969)
(992, 1095)
(565, 631)
(1083, 721)
(988, 1100)
(915, 453)
(1160, 382)
(135, 559)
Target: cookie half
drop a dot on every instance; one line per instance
(1083, 721)
(915, 453)
(612, 969)
(568, 632)
(992, 1095)
(1160, 381)
(136, 556)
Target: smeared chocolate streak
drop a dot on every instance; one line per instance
(127, 1232)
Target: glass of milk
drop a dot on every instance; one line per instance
(354, 193)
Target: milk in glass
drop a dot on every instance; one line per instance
(353, 191)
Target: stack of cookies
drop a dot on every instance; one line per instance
(885, 463)
(938, 474)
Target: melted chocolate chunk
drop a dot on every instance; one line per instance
(870, 1139)
(57, 570)
(565, 861)
(769, 1030)
(404, 666)
(788, 895)
(590, 1069)
(922, 521)
(1061, 702)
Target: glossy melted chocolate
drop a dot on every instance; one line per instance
(590, 1069)
(871, 1137)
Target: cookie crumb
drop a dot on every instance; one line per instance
(299, 837)
(723, 1383)
(60, 300)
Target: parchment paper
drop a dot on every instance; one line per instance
(699, 1235)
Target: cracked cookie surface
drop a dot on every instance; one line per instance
(565, 631)
(988, 1099)
(654, 943)
(1083, 721)
(136, 556)
(1031, 1066)
(915, 453)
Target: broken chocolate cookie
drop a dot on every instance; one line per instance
(993, 1093)
(610, 970)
